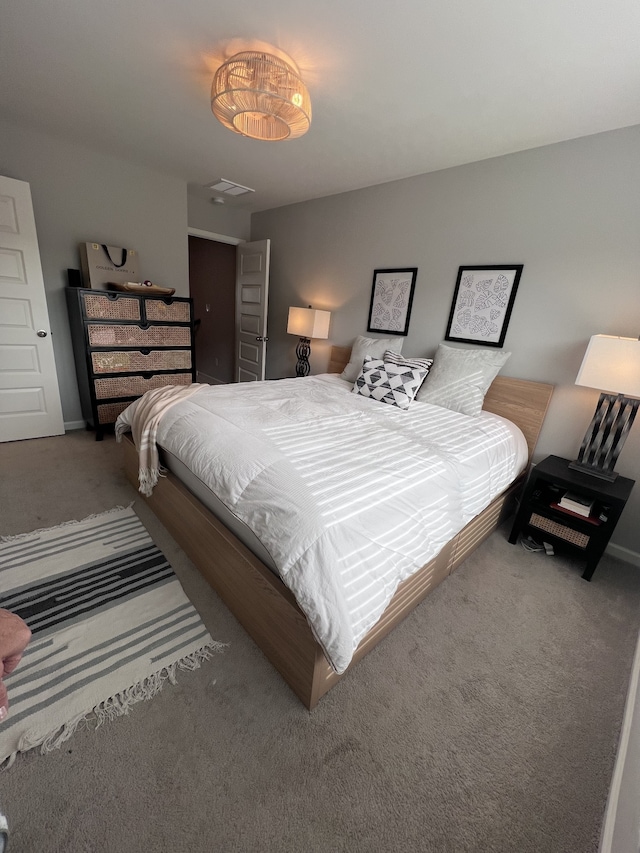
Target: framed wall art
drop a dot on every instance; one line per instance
(482, 304)
(391, 298)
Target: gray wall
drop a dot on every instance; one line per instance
(218, 218)
(79, 195)
(569, 212)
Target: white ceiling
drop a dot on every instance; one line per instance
(397, 88)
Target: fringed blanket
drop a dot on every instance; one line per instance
(142, 418)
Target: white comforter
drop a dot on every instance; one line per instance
(349, 496)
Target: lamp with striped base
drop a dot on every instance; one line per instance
(612, 364)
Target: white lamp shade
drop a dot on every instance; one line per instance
(611, 364)
(308, 323)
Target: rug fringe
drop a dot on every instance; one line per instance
(118, 705)
(18, 536)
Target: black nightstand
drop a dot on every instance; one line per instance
(539, 511)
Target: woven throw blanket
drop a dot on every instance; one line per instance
(142, 418)
(110, 625)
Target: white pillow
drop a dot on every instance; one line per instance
(389, 381)
(460, 378)
(407, 361)
(362, 346)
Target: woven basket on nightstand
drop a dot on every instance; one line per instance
(559, 530)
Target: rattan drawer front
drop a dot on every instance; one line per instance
(128, 361)
(108, 412)
(559, 530)
(103, 308)
(135, 386)
(176, 312)
(105, 335)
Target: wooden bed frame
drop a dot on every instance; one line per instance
(267, 609)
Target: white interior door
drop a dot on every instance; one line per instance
(29, 394)
(252, 299)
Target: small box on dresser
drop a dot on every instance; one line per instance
(126, 344)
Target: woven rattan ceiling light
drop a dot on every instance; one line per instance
(261, 96)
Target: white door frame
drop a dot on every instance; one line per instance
(211, 235)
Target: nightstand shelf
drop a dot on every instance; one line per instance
(540, 514)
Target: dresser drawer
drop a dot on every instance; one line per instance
(99, 306)
(175, 312)
(108, 412)
(129, 361)
(105, 335)
(135, 386)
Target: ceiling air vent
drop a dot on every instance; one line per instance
(229, 187)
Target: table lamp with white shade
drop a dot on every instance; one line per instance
(307, 323)
(612, 365)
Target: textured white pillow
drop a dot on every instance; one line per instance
(460, 378)
(362, 346)
(407, 361)
(389, 381)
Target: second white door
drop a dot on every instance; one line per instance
(252, 296)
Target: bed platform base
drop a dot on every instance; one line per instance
(260, 601)
(267, 609)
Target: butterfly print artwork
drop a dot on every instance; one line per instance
(482, 304)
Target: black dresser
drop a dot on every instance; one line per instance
(126, 344)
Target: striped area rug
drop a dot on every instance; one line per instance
(110, 625)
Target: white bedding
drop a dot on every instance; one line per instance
(349, 496)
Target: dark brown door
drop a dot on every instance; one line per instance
(212, 284)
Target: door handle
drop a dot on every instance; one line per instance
(41, 333)
(262, 339)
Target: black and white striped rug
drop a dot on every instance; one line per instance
(110, 624)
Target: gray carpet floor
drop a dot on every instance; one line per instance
(487, 721)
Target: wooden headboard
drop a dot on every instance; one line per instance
(521, 401)
(339, 359)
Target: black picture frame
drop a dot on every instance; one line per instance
(391, 300)
(482, 303)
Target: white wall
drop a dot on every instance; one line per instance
(569, 212)
(79, 195)
(621, 827)
(222, 219)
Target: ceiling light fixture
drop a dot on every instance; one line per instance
(259, 95)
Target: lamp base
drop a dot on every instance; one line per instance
(606, 436)
(609, 476)
(303, 351)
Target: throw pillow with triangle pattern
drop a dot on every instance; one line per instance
(393, 379)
